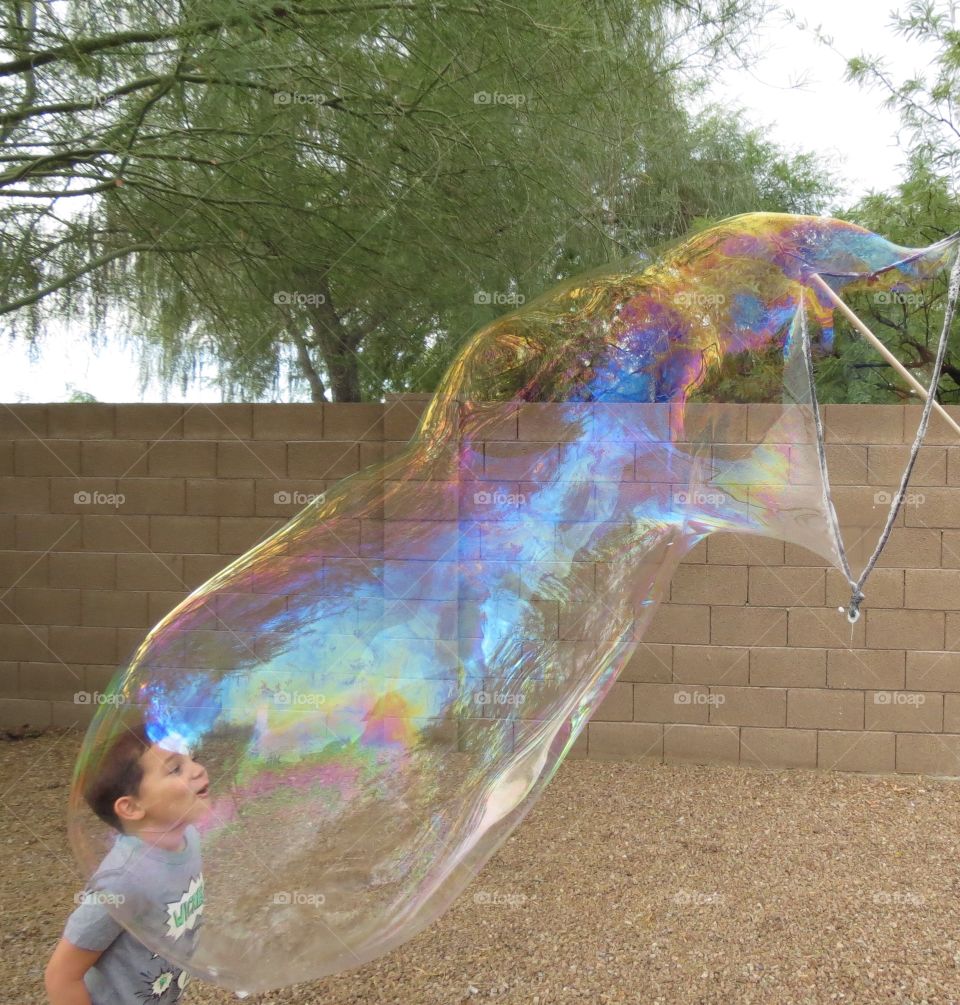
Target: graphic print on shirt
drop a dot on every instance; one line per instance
(157, 985)
(183, 915)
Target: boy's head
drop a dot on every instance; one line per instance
(140, 785)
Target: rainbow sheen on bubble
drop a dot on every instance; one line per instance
(381, 690)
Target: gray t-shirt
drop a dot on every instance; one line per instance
(162, 892)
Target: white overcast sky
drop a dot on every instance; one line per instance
(797, 88)
(795, 91)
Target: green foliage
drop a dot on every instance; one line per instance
(922, 209)
(744, 377)
(336, 198)
(75, 394)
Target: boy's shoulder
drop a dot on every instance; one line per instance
(131, 864)
(159, 891)
(115, 866)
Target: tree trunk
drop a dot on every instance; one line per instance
(339, 354)
(344, 373)
(306, 363)
(337, 345)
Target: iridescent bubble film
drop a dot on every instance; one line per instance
(381, 690)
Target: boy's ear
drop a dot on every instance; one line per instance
(128, 808)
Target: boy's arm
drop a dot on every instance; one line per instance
(63, 977)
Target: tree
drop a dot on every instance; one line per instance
(354, 187)
(929, 105)
(76, 395)
(922, 209)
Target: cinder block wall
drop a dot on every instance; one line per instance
(748, 661)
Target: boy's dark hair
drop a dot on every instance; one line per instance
(118, 773)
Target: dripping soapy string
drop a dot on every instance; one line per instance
(856, 586)
(806, 352)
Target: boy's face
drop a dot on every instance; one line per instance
(175, 791)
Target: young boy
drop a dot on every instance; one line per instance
(153, 794)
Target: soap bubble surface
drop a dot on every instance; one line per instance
(381, 689)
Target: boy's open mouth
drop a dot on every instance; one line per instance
(204, 792)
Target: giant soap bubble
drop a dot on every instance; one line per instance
(382, 689)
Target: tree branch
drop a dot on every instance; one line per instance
(91, 266)
(88, 46)
(317, 391)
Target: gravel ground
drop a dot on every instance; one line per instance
(626, 883)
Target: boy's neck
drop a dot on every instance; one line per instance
(169, 840)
